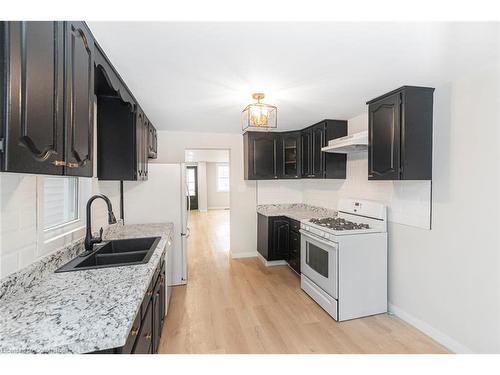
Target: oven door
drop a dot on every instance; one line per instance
(319, 262)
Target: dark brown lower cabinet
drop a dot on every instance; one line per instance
(278, 238)
(294, 251)
(144, 336)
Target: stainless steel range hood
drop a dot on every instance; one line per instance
(357, 142)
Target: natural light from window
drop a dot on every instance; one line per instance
(222, 177)
(60, 201)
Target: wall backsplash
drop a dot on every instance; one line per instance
(18, 218)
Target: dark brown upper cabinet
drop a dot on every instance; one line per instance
(289, 145)
(318, 164)
(261, 153)
(295, 154)
(400, 135)
(79, 111)
(46, 101)
(124, 133)
(152, 142)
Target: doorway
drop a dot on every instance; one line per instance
(192, 182)
(208, 180)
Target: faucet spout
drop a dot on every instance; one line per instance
(89, 239)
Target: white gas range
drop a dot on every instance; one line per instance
(344, 260)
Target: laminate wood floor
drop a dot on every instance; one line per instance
(241, 306)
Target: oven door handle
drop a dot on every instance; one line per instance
(319, 239)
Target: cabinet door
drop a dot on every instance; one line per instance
(79, 96)
(294, 259)
(317, 156)
(290, 155)
(384, 139)
(145, 130)
(281, 232)
(156, 318)
(306, 153)
(139, 144)
(163, 298)
(262, 156)
(143, 344)
(34, 116)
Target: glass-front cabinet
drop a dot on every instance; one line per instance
(290, 148)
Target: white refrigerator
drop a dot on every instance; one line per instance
(161, 199)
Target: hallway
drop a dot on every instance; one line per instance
(240, 306)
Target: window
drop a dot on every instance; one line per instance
(60, 204)
(60, 201)
(222, 177)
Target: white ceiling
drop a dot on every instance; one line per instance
(211, 156)
(199, 76)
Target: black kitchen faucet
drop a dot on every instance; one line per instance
(89, 240)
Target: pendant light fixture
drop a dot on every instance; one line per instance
(259, 115)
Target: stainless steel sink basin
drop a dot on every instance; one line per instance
(115, 253)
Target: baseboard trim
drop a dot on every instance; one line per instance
(249, 254)
(271, 263)
(430, 331)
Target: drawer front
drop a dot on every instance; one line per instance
(134, 332)
(294, 225)
(144, 340)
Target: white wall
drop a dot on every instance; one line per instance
(445, 281)
(215, 199)
(19, 241)
(243, 218)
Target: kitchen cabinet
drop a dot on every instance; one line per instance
(152, 142)
(260, 154)
(290, 155)
(315, 163)
(272, 237)
(296, 154)
(79, 111)
(145, 334)
(122, 127)
(278, 238)
(294, 250)
(400, 135)
(281, 237)
(46, 98)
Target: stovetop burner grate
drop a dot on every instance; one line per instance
(338, 223)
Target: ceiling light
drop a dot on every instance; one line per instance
(259, 115)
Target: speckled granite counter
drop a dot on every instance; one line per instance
(81, 311)
(296, 211)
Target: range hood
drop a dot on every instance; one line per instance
(352, 143)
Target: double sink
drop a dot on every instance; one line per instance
(115, 253)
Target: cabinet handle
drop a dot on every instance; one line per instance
(134, 331)
(72, 165)
(150, 293)
(148, 336)
(59, 163)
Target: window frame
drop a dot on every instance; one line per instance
(56, 237)
(217, 178)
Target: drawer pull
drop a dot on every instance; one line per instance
(59, 163)
(134, 331)
(149, 293)
(148, 336)
(72, 165)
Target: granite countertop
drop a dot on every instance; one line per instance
(296, 211)
(80, 311)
